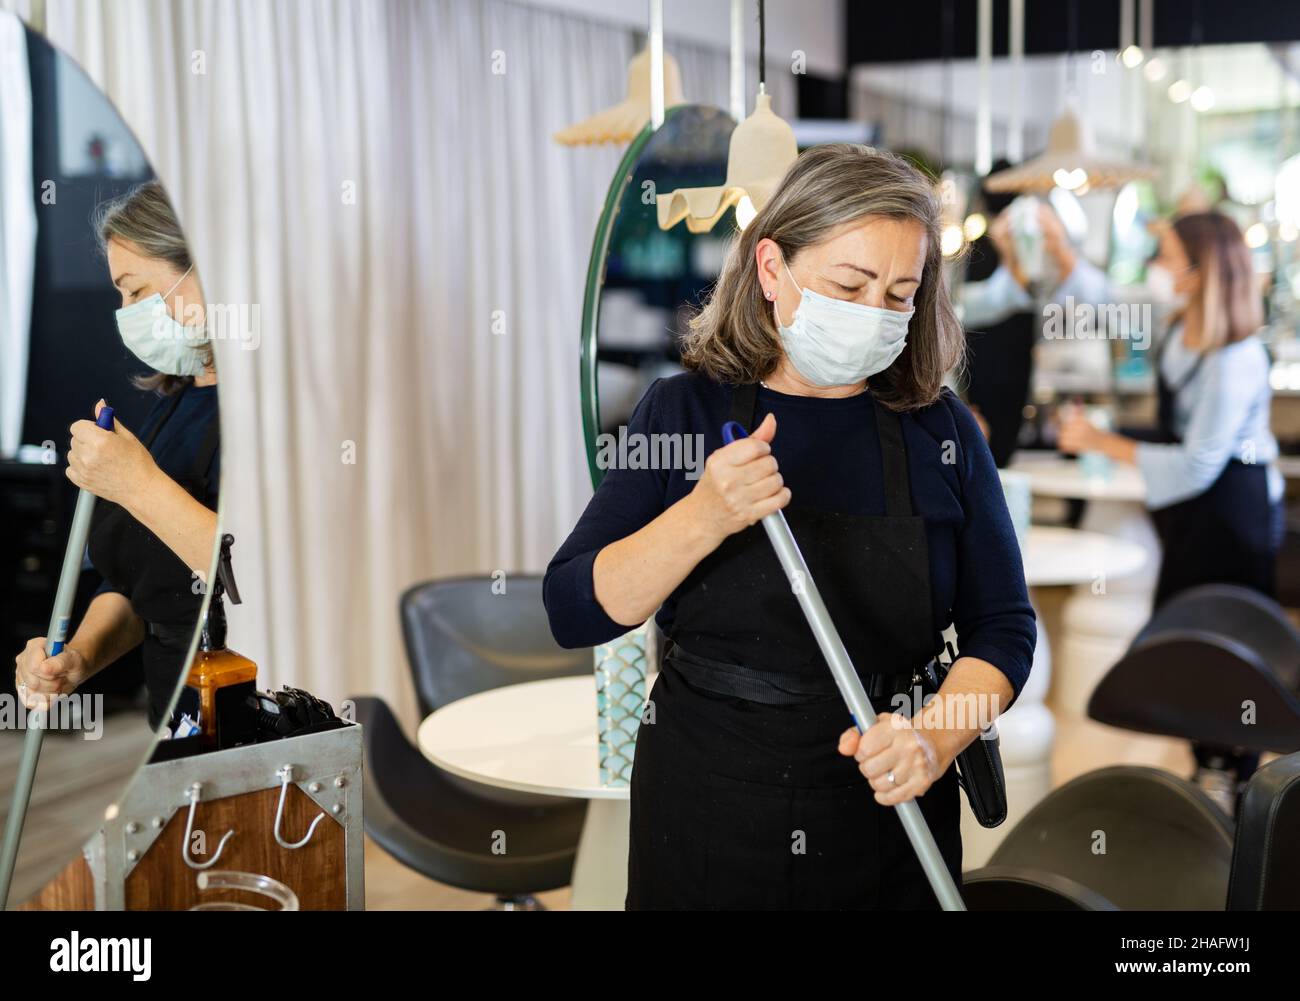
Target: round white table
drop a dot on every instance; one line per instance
(1114, 504)
(540, 737)
(1103, 614)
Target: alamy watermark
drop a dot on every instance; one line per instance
(213, 321)
(634, 450)
(84, 712)
(1110, 321)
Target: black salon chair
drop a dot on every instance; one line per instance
(472, 634)
(1266, 859)
(1193, 670)
(1166, 847)
(465, 636)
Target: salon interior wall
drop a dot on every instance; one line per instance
(416, 246)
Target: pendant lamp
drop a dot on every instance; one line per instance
(1068, 162)
(624, 122)
(762, 149)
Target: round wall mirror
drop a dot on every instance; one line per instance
(70, 300)
(643, 282)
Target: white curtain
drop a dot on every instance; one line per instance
(378, 177)
(17, 228)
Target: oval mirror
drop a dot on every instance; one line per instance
(643, 282)
(86, 231)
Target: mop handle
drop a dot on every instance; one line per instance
(850, 685)
(72, 558)
(55, 637)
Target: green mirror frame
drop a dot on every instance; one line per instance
(596, 281)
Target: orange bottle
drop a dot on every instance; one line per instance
(222, 678)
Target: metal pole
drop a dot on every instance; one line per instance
(850, 686)
(656, 63)
(54, 640)
(1016, 100)
(738, 60)
(984, 107)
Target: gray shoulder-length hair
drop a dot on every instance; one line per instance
(144, 217)
(733, 339)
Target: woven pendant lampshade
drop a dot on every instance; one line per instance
(1068, 162)
(624, 121)
(762, 149)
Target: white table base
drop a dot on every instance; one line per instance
(600, 869)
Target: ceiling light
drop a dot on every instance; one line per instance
(762, 149)
(1069, 162)
(1202, 98)
(1180, 91)
(623, 122)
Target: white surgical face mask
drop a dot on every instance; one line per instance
(1160, 283)
(831, 342)
(157, 339)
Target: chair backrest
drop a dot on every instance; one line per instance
(1265, 860)
(471, 634)
(1140, 838)
(1238, 613)
(1014, 888)
(1204, 659)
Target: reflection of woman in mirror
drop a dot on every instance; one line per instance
(154, 527)
(828, 335)
(1211, 477)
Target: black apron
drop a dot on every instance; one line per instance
(739, 797)
(163, 591)
(1226, 535)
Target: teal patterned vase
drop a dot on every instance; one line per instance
(620, 699)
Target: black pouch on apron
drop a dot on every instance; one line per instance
(979, 766)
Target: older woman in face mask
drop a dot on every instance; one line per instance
(828, 335)
(154, 529)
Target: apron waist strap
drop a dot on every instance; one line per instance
(775, 688)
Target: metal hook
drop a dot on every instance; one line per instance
(286, 776)
(189, 830)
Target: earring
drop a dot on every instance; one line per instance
(768, 293)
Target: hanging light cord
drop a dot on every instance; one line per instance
(762, 49)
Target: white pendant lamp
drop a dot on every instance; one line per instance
(1068, 162)
(624, 121)
(762, 149)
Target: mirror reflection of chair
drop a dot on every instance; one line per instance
(1167, 846)
(1218, 665)
(463, 637)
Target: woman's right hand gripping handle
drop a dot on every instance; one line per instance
(741, 484)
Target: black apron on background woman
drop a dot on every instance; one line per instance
(163, 591)
(1226, 535)
(739, 796)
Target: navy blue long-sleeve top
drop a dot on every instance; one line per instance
(829, 456)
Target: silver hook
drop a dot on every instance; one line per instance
(189, 830)
(286, 776)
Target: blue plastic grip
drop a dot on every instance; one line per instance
(105, 418)
(733, 431)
